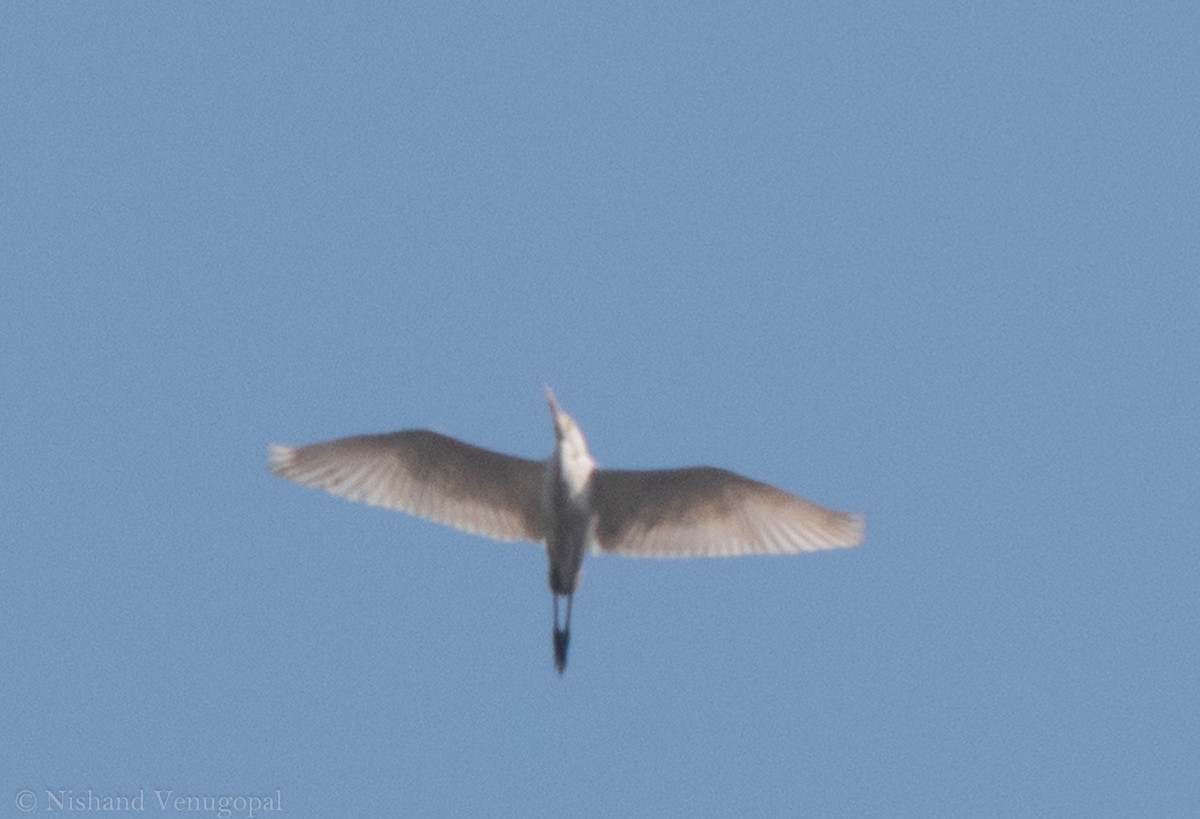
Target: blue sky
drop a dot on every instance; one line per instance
(938, 265)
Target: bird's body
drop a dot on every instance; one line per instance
(565, 502)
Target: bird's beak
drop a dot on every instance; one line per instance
(556, 413)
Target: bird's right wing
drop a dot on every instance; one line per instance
(706, 512)
(426, 474)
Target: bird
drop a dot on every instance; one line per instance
(566, 502)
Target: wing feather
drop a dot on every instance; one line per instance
(428, 475)
(707, 512)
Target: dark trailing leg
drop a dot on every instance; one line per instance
(562, 636)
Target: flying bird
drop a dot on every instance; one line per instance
(566, 503)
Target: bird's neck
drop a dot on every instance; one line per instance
(574, 466)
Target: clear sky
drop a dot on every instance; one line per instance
(936, 263)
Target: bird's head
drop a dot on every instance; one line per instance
(570, 447)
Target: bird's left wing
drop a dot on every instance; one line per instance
(707, 512)
(426, 474)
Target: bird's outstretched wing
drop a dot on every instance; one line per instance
(707, 512)
(426, 474)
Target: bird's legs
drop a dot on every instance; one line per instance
(562, 636)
